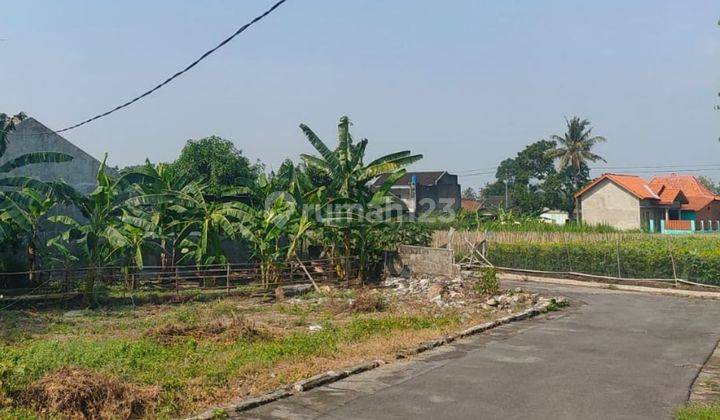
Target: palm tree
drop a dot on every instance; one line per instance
(574, 148)
(351, 177)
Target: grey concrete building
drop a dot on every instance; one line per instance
(32, 136)
(423, 192)
(622, 201)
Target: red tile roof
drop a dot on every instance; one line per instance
(630, 183)
(698, 196)
(669, 195)
(470, 205)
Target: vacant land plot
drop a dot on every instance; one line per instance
(173, 359)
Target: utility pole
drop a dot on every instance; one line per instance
(506, 195)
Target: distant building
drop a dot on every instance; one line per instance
(486, 206)
(470, 205)
(699, 204)
(557, 217)
(423, 192)
(666, 204)
(31, 136)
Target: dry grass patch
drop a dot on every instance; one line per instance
(226, 329)
(72, 392)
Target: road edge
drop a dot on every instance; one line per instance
(607, 286)
(334, 376)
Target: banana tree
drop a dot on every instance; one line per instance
(131, 239)
(98, 235)
(27, 208)
(203, 221)
(351, 178)
(161, 179)
(274, 233)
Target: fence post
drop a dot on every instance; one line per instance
(672, 260)
(567, 253)
(227, 277)
(347, 271)
(177, 281)
(617, 254)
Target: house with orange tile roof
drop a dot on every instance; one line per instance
(667, 203)
(699, 205)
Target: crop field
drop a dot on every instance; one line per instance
(634, 255)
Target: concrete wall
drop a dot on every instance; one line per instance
(31, 136)
(429, 261)
(606, 203)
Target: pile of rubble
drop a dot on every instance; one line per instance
(440, 290)
(456, 292)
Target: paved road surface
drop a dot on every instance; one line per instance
(612, 355)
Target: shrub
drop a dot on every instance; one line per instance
(488, 281)
(697, 258)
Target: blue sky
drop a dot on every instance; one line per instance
(465, 82)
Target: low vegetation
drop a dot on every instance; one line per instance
(488, 282)
(696, 257)
(168, 360)
(698, 412)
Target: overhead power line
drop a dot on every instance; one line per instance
(179, 73)
(634, 169)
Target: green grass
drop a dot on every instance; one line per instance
(698, 412)
(116, 343)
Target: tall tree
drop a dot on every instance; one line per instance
(218, 161)
(469, 194)
(709, 184)
(349, 181)
(574, 148)
(523, 177)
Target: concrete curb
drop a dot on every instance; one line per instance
(613, 286)
(333, 376)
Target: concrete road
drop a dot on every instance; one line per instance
(611, 355)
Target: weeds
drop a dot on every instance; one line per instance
(192, 356)
(698, 412)
(488, 283)
(556, 306)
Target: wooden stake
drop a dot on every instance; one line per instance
(317, 289)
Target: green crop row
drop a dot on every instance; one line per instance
(696, 259)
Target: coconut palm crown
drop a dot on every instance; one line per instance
(574, 148)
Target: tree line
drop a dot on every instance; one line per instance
(546, 173)
(182, 212)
